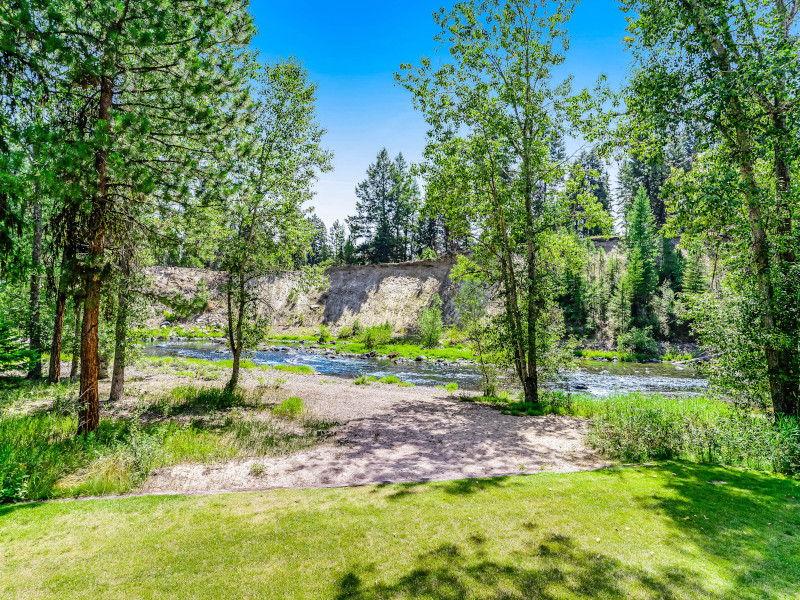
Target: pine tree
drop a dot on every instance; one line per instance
(386, 210)
(151, 81)
(337, 239)
(641, 244)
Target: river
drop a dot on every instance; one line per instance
(594, 377)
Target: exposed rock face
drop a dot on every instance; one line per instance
(396, 293)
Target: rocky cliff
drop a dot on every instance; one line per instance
(396, 293)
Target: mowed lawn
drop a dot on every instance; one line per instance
(669, 531)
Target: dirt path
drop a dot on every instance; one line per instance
(392, 434)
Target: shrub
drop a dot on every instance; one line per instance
(390, 379)
(358, 328)
(345, 332)
(430, 324)
(451, 387)
(324, 333)
(377, 335)
(638, 341)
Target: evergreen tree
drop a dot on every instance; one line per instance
(386, 209)
(337, 238)
(589, 175)
(319, 252)
(641, 245)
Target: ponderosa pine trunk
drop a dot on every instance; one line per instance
(76, 343)
(89, 416)
(34, 320)
(120, 331)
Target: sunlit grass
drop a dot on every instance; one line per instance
(674, 530)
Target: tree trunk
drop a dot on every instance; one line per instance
(76, 343)
(235, 336)
(782, 364)
(234, 380)
(89, 416)
(34, 324)
(118, 377)
(54, 372)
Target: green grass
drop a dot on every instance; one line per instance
(40, 456)
(179, 330)
(197, 399)
(390, 379)
(407, 349)
(405, 384)
(291, 408)
(642, 533)
(610, 355)
(640, 427)
(297, 369)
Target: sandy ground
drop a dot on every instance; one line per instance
(391, 434)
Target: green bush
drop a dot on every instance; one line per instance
(324, 333)
(390, 379)
(345, 333)
(431, 325)
(638, 341)
(358, 328)
(377, 335)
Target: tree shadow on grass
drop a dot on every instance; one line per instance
(7, 509)
(455, 487)
(563, 569)
(749, 518)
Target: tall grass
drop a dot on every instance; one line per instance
(640, 427)
(40, 456)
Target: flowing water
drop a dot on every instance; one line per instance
(593, 377)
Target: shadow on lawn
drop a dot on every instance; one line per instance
(749, 518)
(558, 567)
(456, 487)
(565, 570)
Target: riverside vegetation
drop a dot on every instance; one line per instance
(150, 133)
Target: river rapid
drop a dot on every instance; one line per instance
(593, 377)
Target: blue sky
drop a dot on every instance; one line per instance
(352, 50)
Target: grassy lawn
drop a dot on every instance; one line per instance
(664, 531)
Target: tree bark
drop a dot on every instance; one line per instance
(34, 321)
(235, 335)
(89, 416)
(76, 343)
(118, 376)
(54, 372)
